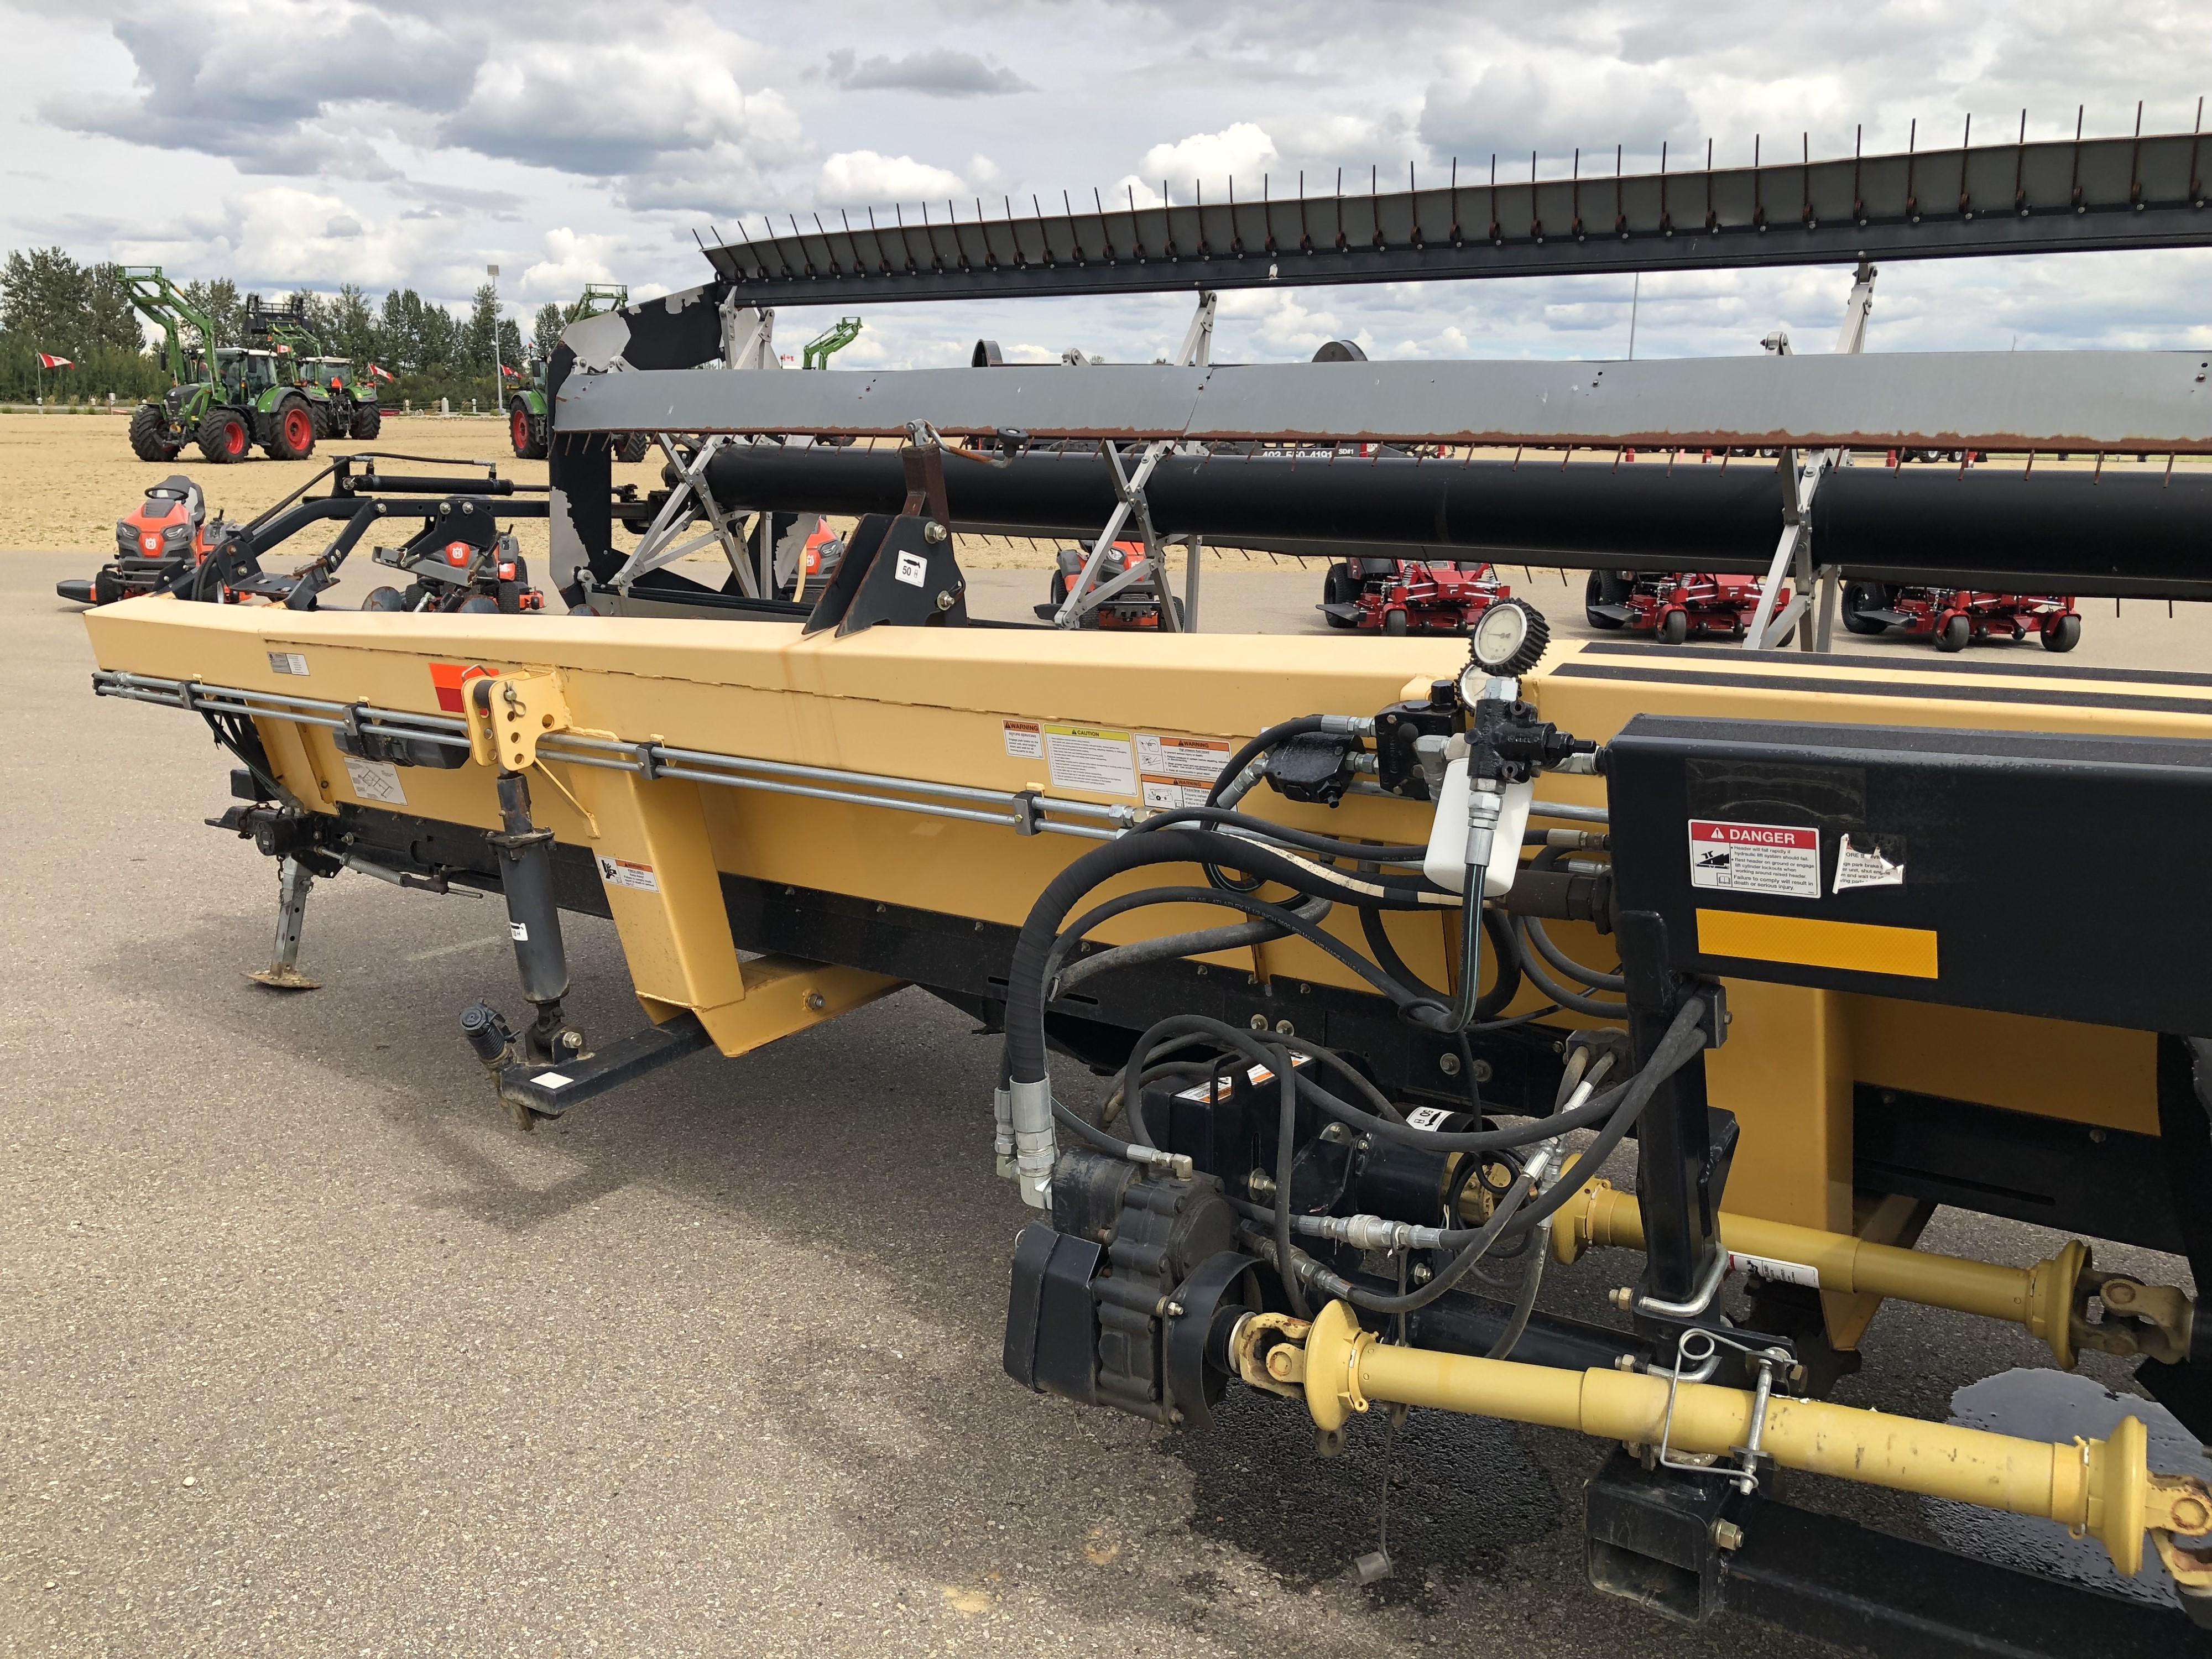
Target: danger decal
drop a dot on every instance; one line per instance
(1782, 860)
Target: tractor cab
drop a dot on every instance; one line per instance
(246, 373)
(333, 372)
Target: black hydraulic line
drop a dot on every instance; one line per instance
(1595, 1006)
(1025, 990)
(1168, 946)
(1596, 979)
(1502, 990)
(1991, 526)
(1305, 839)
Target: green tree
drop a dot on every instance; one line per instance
(224, 306)
(547, 330)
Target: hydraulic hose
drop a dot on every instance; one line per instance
(1200, 942)
(1597, 979)
(1578, 1002)
(1266, 828)
(1503, 989)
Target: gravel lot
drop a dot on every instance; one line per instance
(309, 1354)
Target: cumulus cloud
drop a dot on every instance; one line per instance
(1240, 150)
(856, 177)
(571, 260)
(940, 72)
(280, 236)
(1506, 108)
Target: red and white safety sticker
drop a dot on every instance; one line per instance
(1781, 860)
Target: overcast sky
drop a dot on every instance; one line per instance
(386, 142)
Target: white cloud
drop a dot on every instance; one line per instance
(1238, 150)
(858, 178)
(571, 260)
(281, 236)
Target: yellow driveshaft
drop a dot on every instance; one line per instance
(2041, 1298)
(2103, 1487)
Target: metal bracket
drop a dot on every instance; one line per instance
(688, 502)
(508, 715)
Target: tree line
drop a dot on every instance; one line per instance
(51, 303)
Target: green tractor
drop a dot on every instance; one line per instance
(225, 398)
(342, 404)
(528, 419)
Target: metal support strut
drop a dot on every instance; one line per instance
(526, 874)
(283, 973)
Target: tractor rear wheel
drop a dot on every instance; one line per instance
(367, 420)
(525, 432)
(224, 437)
(1674, 628)
(634, 448)
(2061, 634)
(291, 431)
(151, 436)
(1953, 635)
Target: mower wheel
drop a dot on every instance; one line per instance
(477, 604)
(1603, 588)
(151, 438)
(223, 437)
(634, 448)
(1674, 628)
(1860, 597)
(1395, 624)
(1338, 586)
(2062, 632)
(383, 598)
(291, 431)
(367, 420)
(106, 586)
(1955, 634)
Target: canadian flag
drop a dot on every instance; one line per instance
(376, 374)
(510, 374)
(47, 361)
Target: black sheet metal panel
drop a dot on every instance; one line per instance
(2135, 532)
(2064, 876)
(2039, 197)
(1826, 1576)
(2079, 401)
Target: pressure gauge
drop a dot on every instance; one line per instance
(1508, 639)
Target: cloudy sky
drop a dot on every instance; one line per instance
(391, 142)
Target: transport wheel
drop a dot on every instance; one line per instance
(1858, 597)
(223, 437)
(292, 435)
(634, 448)
(2062, 634)
(1674, 628)
(367, 420)
(1395, 624)
(1602, 589)
(151, 438)
(383, 598)
(1954, 634)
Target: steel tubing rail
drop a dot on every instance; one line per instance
(1020, 811)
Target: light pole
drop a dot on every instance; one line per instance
(498, 368)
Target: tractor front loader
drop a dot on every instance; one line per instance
(226, 398)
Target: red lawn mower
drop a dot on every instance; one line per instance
(1137, 605)
(1398, 596)
(1955, 617)
(1676, 605)
(166, 535)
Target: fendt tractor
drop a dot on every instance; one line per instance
(1411, 969)
(341, 399)
(527, 420)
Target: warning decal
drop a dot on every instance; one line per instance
(376, 781)
(1871, 864)
(1781, 860)
(1777, 1270)
(287, 662)
(1090, 757)
(622, 872)
(1024, 739)
(1179, 771)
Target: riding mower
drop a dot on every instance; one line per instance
(1404, 596)
(1957, 617)
(1675, 605)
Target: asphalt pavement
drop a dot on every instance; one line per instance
(307, 1352)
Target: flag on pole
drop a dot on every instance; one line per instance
(46, 360)
(376, 374)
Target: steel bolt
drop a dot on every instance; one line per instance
(816, 1001)
(1447, 1064)
(1728, 1534)
(1259, 1022)
(1283, 1027)
(1422, 1273)
(1623, 1297)
(933, 531)
(944, 602)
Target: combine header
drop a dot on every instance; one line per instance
(1388, 945)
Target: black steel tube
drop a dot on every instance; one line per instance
(2138, 532)
(525, 873)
